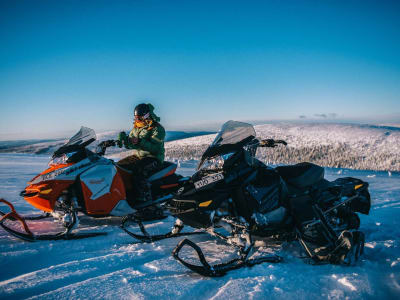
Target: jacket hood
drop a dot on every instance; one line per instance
(152, 114)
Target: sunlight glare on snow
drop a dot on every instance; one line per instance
(395, 281)
(151, 266)
(370, 245)
(388, 243)
(345, 282)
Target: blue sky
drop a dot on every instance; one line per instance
(64, 64)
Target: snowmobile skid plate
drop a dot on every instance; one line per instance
(30, 237)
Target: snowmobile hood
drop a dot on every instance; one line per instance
(67, 171)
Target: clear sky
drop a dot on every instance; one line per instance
(64, 64)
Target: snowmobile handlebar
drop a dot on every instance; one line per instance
(101, 147)
(271, 143)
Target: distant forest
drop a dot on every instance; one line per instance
(337, 156)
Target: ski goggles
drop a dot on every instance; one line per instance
(142, 118)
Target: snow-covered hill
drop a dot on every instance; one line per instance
(118, 267)
(49, 146)
(365, 147)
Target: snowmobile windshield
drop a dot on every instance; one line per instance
(233, 132)
(232, 136)
(79, 141)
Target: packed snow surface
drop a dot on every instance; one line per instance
(118, 267)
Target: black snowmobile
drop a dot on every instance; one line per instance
(237, 198)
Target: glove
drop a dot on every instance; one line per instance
(109, 143)
(134, 140)
(101, 147)
(122, 139)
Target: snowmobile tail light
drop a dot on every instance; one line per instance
(358, 186)
(205, 204)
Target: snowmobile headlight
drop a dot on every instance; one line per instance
(61, 160)
(58, 160)
(216, 162)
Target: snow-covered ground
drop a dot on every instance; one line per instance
(118, 267)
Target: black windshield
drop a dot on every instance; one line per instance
(233, 132)
(232, 136)
(80, 140)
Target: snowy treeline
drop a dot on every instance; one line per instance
(330, 145)
(337, 156)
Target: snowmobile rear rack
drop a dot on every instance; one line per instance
(30, 237)
(340, 248)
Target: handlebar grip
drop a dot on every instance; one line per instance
(101, 148)
(271, 143)
(281, 142)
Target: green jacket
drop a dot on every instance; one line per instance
(151, 142)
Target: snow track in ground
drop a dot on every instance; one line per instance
(118, 267)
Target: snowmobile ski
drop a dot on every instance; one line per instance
(220, 269)
(30, 237)
(147, 238)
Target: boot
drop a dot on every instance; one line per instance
(143, 191)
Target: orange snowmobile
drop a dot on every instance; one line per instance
(79, 180)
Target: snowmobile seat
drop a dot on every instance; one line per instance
(301, 175)
(167, 168)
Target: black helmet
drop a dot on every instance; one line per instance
(142, 110)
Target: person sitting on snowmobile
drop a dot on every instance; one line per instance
(146, 139)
